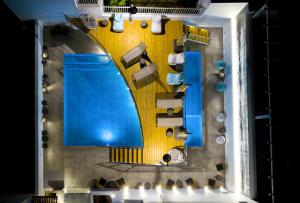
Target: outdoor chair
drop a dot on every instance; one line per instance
(220, 64)
(179, 184)
(118, 22)
(169, 121)
(89, 21)
(168, 103)
(144, 72)
(220, 87)
(174, 59)
(220, 167)
(101, 184)
(174, 78)
(121, 182)
(133, 55)
(220, 178)
(211, 182)
(156, 24)
(190, 182)
(170, 184)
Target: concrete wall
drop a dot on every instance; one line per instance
(39, 166)
(175, 195)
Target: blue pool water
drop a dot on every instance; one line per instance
(99, 109)
(193, 99)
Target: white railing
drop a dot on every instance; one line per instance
(87, 3)
(156, 10)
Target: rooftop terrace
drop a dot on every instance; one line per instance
(79, 166)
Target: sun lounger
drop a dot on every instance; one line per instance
(156, 25)
(168, 103)
(174, 59)
(169, 121)
(133, 55)
(144, 72)
(174, 78)
(118, 22)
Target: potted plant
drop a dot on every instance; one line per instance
(118, 2)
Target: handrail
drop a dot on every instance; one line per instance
(44, 199)
(197, 38)
(156, 10)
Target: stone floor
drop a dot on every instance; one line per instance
(78, 166)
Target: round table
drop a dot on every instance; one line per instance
(220, 117)
(169, 132)
(143, 24)
(177, 156)
(103, 23)
(220, 139)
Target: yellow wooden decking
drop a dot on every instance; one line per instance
(158, 47)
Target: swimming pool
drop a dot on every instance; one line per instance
(99, 109)
(193, 98)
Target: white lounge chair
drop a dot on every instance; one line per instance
(118, 22)
(156, 24)
(174, 78)
(174, 59)
(89, 21)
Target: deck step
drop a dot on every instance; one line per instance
(126, 155)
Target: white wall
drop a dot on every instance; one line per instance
(178, 195)
(225, 10)
(39, 165)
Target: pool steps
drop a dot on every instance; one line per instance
(126, 155)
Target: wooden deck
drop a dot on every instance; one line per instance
(156, 143)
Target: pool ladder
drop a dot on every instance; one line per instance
(126, 155)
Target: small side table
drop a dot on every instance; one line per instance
(169, 132)
(220, 117)
(170, 111)
(144, 24)
(143, 63)
(103, 23)
(220, 139)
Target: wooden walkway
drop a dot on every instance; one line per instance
(156, 143)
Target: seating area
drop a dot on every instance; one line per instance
(220, 86)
